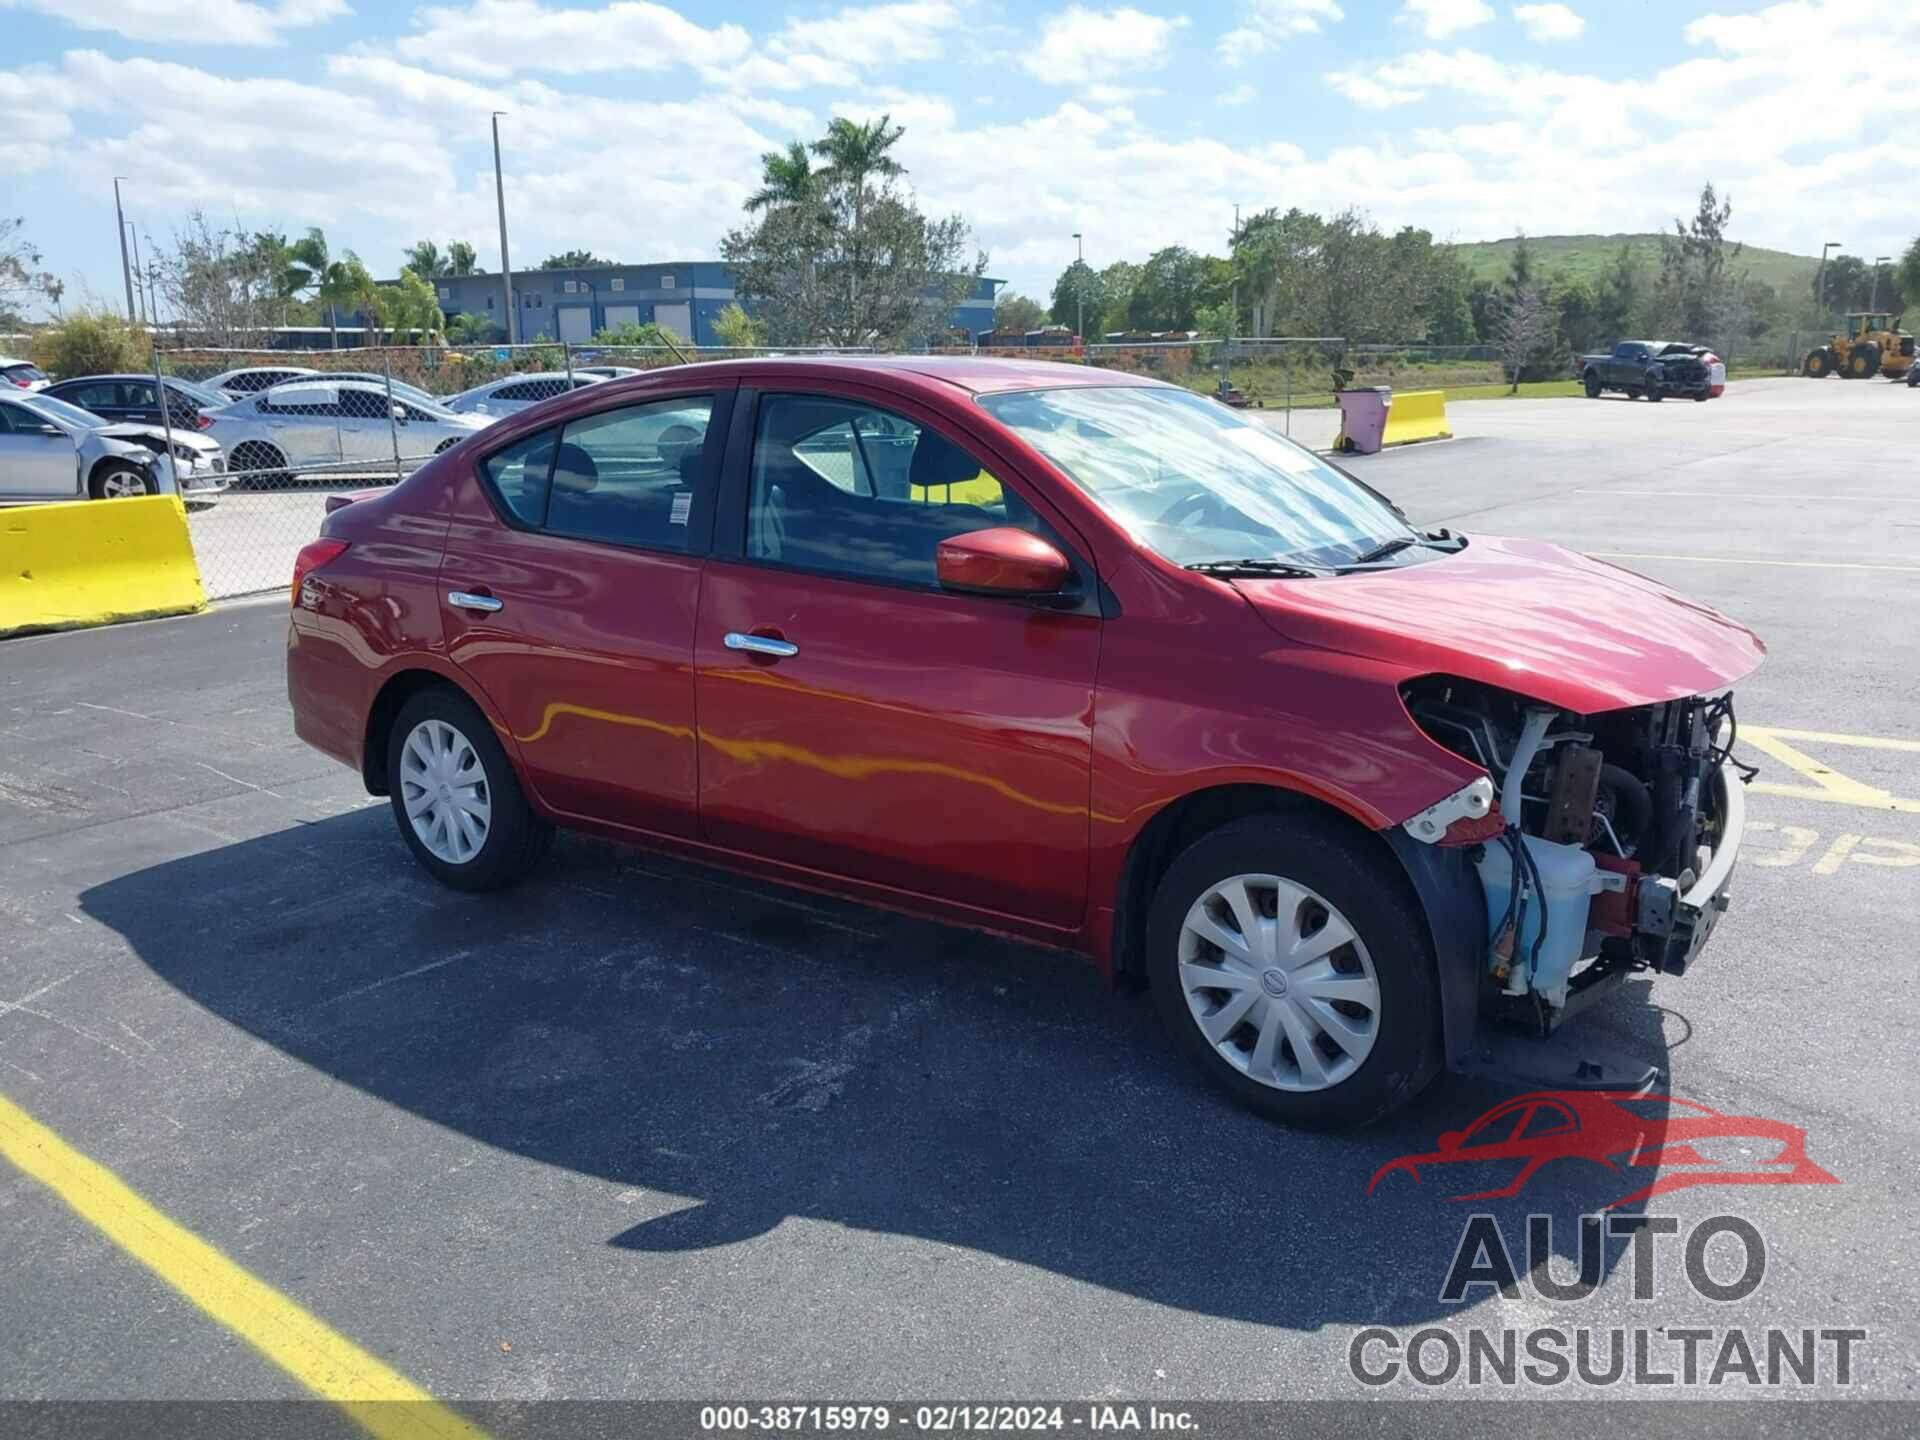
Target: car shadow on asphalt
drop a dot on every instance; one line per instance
(769, 1053)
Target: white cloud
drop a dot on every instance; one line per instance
(189, 22)
(501, 37)
(876, 34)
(1078, 40)
(1547, 23)
(1266, 23)
(1437, 19)
(1241, 94)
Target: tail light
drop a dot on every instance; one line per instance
(313, 555)
(23, 384)
(202, 422)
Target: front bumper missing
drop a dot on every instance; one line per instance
(1698, 910)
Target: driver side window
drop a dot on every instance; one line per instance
(850, 489)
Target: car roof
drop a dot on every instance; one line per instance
(974, 374)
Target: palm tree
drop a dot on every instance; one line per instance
(311, 269)
(853, 152)
(425, 260)
(461, 259)
(785, 179)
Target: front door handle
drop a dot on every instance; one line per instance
(760, 645)
(467, 600)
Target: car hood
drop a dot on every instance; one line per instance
(1524, 615)
(135, 433)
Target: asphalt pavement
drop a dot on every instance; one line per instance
(642, 1130)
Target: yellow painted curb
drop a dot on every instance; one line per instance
(92, 562)
(1417, 415)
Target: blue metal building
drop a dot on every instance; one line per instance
(682, 297)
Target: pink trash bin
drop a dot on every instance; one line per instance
(1363, 418)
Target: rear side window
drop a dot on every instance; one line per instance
(30, 373)
(628, 476)
(520, 475)
(92, 396)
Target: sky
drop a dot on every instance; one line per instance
(634, 129)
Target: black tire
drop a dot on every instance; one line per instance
(1702, 396)
(1863, 361)
(1593, 385)
(1361, 884)
(259, 464)
(515, 838)
(1818, 364)
(114, 474)
(1656, 389)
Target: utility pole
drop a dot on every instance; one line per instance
(506, 265)
(1080, 289)
(126, 268)
(139, 282)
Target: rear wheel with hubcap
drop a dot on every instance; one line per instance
(1818, 364)
(455, 797)
(1294, 967)
(1593, 385)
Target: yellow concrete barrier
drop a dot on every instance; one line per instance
(90, 562)
(1417, 415)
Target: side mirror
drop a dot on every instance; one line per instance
(52, 432)
(400, 413)
(1450, 1140)
(1001, 561)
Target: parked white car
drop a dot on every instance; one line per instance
(513, 393)
(318, 423)
(609, 372)
(251, 379)
(22, 374)
(50, 450)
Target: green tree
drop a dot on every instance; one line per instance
(635, 336)
(737, 330)
(1448, 312)
(1519, 275)
(786, 178)
(408, 305)
(1173, 285)
(461, 259)
(856, 152)
(1114, 287)
(1843, 285)
(1015, 314)
(469, 329)
(92, 340)
(21, 278)
(1694, 266)
(1578, 312)
(1907, 275)
(425, 259)
(574, 260)
(1076, 292)
(1618, 298)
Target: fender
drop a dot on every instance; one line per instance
(1456, 910)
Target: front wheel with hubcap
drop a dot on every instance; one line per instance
(455, 797)
(119, 482)
(1291, 963)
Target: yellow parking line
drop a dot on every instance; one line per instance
(320, 1358)
(1744, 560)
(1828, 783)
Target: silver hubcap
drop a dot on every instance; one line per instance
(1279, 983)
(121, 484)
(444, 789)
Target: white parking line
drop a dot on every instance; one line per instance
(1747, 560)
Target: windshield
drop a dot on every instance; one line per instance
(1195, 481)
(61, 411)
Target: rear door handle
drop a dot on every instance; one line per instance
(760, 645)
(467, 600)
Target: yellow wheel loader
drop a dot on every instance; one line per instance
(1873, 345)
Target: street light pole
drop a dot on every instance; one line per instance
(1878, 262)
(506, 265)
(1820, 280)
(1080, 289)
(126, 269)
(139, 288)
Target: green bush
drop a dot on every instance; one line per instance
(92, 342)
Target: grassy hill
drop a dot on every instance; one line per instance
(1588, 256)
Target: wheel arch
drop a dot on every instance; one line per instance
(396, 689)
(114, 462)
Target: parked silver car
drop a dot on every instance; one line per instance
(50, 450)
(22, 374)
(512, 393)
(318, 423)
(251, 379)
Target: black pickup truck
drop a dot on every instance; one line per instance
(1653, 368)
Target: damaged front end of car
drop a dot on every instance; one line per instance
(1604, 844)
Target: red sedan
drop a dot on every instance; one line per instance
(1071, 655)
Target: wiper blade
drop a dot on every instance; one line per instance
(1384, 549)
(1257, 567)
